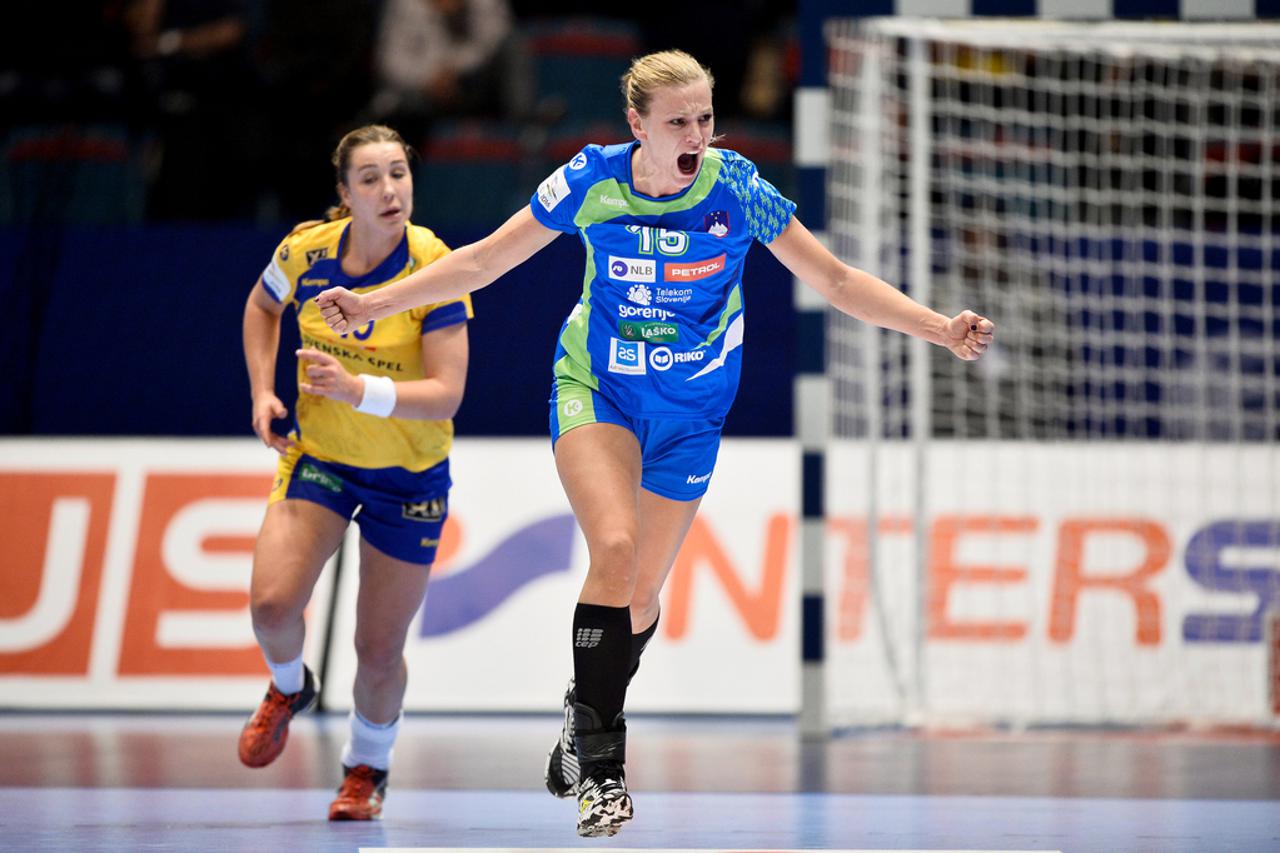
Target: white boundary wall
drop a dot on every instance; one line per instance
(126, 567)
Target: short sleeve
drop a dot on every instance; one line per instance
(447, 314)
(276, 279)
(556, 201)
(768, 212)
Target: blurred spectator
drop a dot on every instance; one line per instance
(739, 40)
(313, 58)
(195, 58)
(448, 58)
(66, 64)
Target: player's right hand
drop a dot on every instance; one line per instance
(343, 310)
(267, 407)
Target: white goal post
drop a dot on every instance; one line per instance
(1083, 527)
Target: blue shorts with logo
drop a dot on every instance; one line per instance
(677, 457)
(400, 512)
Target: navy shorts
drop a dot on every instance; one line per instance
(400, 512)
(677, 457)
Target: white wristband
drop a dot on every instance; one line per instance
(379, 395)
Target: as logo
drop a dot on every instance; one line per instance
(626, 357)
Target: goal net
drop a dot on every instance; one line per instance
(1084, 526)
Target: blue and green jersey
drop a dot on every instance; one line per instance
(658, 328)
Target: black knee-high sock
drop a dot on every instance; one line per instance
(601, 650)
(638, 644)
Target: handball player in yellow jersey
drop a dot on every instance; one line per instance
(371, 439)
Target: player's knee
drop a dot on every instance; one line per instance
(379, 655)
(272, 612)
(615, 550)
(644, 605)
(613, 560)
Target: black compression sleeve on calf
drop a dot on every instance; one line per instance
(601, 650)
(638, 644)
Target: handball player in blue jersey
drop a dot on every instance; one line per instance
(370, 440)
(646, 366)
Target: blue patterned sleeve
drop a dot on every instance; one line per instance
(768, 212)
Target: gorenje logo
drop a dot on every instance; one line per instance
(625, 311)
(632, 269)
(655, 332)
(693, 271)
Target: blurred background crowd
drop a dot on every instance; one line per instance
(162, 110)
(154, 152)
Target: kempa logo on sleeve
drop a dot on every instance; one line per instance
(632, 269)
(626, 357)
(694, 270)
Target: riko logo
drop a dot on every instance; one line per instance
(693, 271)
(632, 269)
(660, 358)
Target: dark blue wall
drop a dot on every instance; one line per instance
(137, 332)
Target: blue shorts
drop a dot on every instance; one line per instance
(400, 512)
(677, 457)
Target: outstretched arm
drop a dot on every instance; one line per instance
(865, 297)
(460, 272)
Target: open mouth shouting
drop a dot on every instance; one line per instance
(688, 163)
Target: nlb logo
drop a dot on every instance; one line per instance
(632, 269)
(693, 271)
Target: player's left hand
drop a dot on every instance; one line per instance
(326, 377)
(968, 335)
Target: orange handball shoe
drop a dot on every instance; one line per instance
(263, 738)
(360, 797)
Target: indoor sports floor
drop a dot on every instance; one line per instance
(154, 782)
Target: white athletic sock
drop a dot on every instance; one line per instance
(287, 677)
(370, 743)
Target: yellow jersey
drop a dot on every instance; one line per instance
(309, 261)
